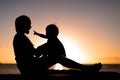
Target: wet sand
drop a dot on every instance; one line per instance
(67, 75)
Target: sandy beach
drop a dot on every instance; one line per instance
(67, 75)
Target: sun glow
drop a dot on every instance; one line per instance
(58, 67)
(73, 51)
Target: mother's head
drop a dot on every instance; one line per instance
(22, 24)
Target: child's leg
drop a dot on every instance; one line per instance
(69, 63)
(72, 64)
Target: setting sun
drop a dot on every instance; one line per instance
(73, 51)
(58, 67)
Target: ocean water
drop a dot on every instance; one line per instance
(9, 69)
(12, 68)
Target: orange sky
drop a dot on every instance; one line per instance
(89, 29)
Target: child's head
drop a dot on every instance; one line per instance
(52, 31)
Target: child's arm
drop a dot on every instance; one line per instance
(41, 35)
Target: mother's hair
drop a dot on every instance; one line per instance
(21, 23)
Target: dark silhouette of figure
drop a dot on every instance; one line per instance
(23, 48)
(53, 48)
(31, 61)
(54, 52)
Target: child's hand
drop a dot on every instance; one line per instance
(34, 32)
(41, 35)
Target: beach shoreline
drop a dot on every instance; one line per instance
(68, 75)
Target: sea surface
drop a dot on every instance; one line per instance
(12, 68)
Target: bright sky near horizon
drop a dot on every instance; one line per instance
(89, 29)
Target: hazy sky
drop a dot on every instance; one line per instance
(89, 29)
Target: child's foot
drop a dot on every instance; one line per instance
(91, 68)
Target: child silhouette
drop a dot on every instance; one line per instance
(54, 48)
(53, 51)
